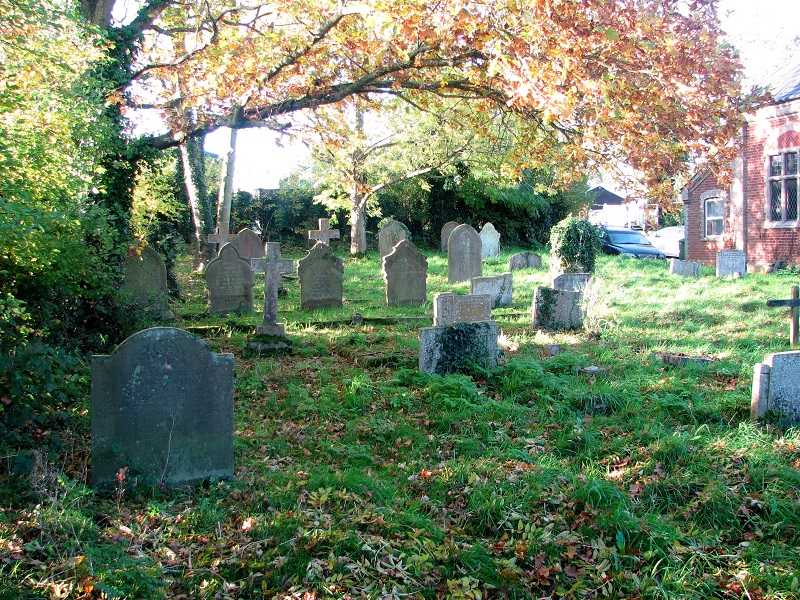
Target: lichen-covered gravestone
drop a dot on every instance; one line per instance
(524, 260)
(557, 309)
(490, 241)
(390, 235)
(731, 262)
(776, 386)
(684, 268)
(447, 229)
(162, 408)
(464, 259)
(405, 271)
(321, 273)
(499, 287)
(230, 282)
(145, 281)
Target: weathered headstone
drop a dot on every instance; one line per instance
(557, 310)
(464, 260)
(249, 244)
(447, 229)
(145, 281)
(389, 235)
(229, 282)
(731, 262)
(776, 386)
(405, 271)
(271, 266)
(490, 241)
(571, 282)
(444, 350)
(499, 287)
(524, 260)
(324, 234)
(685, 268)
(449, 309)
(321, 273)
(162, 407)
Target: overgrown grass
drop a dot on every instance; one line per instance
(359, 476)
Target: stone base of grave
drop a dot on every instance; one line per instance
(444, 350)
(272, 330)
(270, 337)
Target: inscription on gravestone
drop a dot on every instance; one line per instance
(405, 271)
(230, 282)
(449, 309)
(731, 262)
(321, 273)
(464, 260)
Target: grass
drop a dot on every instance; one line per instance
(359, 476)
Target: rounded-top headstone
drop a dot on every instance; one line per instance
(389, 236)
(490, 238)
(447, 229)
(464, 260)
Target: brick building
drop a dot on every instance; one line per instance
(758, 212)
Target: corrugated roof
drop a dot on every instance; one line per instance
(784, 84)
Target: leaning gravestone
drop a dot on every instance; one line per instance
(499, 287)
(162, 408)
(524, 260)
(390, 235)
(556, 309)
(571, 282)
(145, 281)
(776, 386)
(449, 309)
(230, 282)
(684, 268)
(490, 241)
(731, 262)
(248, 243)
(405, 271)
(464, 259)
(320, 273)
(447, 229)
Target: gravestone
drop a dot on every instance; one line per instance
(464, 260)
(271, 266)
(685, 268)
(230, 282)
(490, 241)
(449, 309)
(524, 260)
(498, 287)
(145, 281)
(405, 271)
(324, 234)
(249, 244)
(731, 262)
(444, 350)
(389, 235)
(447, 229)
(321, 273)
(557, 310)
(571, 282)
(162, 407)
(776, 386)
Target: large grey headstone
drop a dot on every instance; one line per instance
(557, 310)
(248, 243)
(464, 259)
(405, 271)
(490, 241)
(444, 350)
(145, 280)
(449, 309)
(524, 260)
(571, 282)
(776, 386)
(685, 268)
(321, 273)
(447, 229)
(731, 262)
(499, 287)
(162, 407)
(230, 282)
(390, 235)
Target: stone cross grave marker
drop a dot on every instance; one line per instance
(145, 281)
(731, 262)
(324, 234)
(223, 235)
(490, 241)
(405, 271)
(162, 408)
(464, 260)
(230, 282)
(794, 314)
(271, 266)
(390, 235)
(776, 386)
(447, 229)
(321, 273)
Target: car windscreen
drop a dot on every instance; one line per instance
(627, 237)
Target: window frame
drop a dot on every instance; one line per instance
(722, 202)
(781, 178)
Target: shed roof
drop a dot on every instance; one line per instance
(784, 83)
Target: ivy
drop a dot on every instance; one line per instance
(575, 243)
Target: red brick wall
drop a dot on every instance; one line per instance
(698, 248)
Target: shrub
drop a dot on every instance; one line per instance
(574, 244)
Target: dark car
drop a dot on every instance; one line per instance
(627, 242)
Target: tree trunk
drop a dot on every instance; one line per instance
(358, 223)
(192, 191)
(225, 197)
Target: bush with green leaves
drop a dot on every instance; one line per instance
(574, 245)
